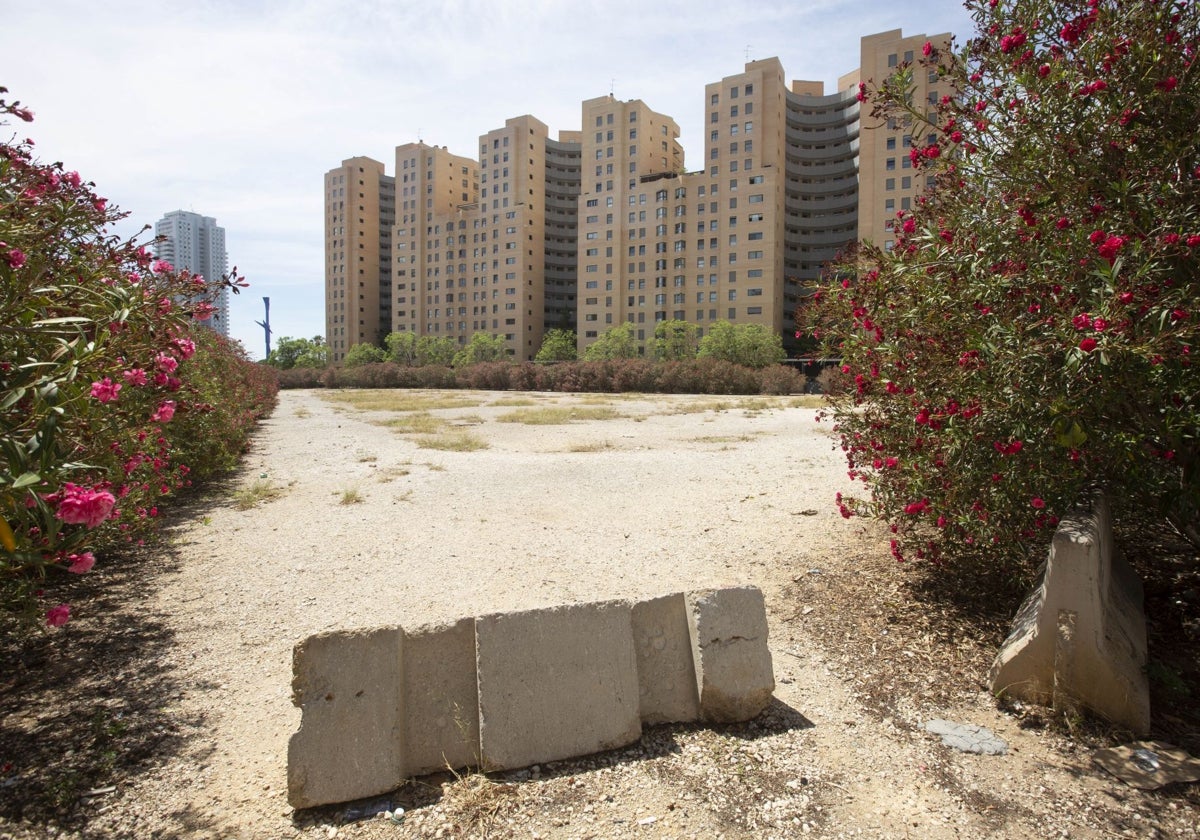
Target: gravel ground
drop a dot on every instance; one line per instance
(357, 523)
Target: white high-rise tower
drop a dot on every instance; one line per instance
(196, 243)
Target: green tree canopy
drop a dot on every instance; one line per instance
(557, 346)
(435, 351)
(299, 352)
(615, 343)
(481, 348)
(675, 340)
(402, 347)
(363, 354)
(750, 345)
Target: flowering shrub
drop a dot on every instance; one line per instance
(96, 349)
(1030, 335)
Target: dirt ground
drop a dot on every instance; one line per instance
(163, 709)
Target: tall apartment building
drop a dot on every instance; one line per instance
(489, 246)
(606, 226)
(360, 212)
(887, 182)
(196, 243)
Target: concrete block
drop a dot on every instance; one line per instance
(351, 716)
(556, 683)
(1080, 636)
(441, 703)
(666, 674)
(734, 674)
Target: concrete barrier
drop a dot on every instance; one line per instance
(729, 645)
(350, 742)
(507, 690)
(556, 683)
(1080, 636)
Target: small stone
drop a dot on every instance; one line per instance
(967, 737)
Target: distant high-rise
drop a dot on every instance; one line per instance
(196, 243)
(606, 226)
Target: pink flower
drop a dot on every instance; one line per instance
(1038, 502)
(927, 50)
(58, 616)
(1087, 345)
(81, 563)
(1082, 321)
(202, 311)
(164, 412)
(100, 204)
(16, 258)
(84, 506)
(73, 179)
(185, 346)
(165, 363)
(159, 266)
(105, 390)
(135, 376)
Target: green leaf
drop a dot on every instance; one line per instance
(26, 479)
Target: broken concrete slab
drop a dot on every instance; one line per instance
(503, 691)
(667, 687)
(967, 737)
(1080, 637)
(441, 698)
(350, 742)
(556, 683)
(734, 674)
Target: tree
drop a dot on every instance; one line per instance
(1029, 337)
(364, 354)
(557, 346)
(435, 351)
(616, 343)
(481, 348)
(675, 340)
(750, 345)
(299, 352)
(402, 348)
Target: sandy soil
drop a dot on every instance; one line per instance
(668, 493)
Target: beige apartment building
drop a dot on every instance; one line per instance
(360, 203)
(606, 225)
(888, 183)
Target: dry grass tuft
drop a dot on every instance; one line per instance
(452, 442)
(558, 415)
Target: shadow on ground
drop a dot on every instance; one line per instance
(85, 707)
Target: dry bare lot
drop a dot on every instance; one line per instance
(165, 708)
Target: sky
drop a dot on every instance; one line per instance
(235, 109)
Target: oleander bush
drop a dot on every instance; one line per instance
(111, 397)
(1028, 339)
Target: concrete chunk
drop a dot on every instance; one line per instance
(1080, 636)
(351, 727)
(556, 683)
(729, 647)
(441, 703)
(666, 674)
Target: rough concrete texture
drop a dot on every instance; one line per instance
(556, 683)
(967, 737)
(1080, 637)
(729, 647)
(441, 700)
(509, 690)
(666, 674)
(351, 727)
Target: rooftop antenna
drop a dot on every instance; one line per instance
(265, 323)
(612, 86)
(748, 53)
(419, 135)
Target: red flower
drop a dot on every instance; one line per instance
(1038, 502)
(927, 49)
(1111, 245)
(1168, 84)
(1087, 345)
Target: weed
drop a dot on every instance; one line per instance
(452, 442)
(558, 415)
(351, 497)
(261, 490)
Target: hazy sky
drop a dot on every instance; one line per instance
(236, 108)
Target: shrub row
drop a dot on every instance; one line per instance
(691, 376)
